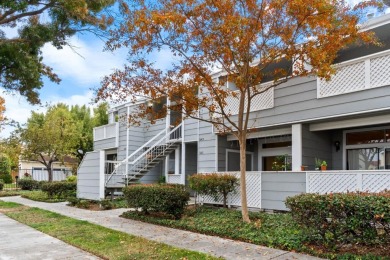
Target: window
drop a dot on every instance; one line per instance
(233, 160)
(277, 163)
(368, 150)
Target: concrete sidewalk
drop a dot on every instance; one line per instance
(18, 241)
(216, 246)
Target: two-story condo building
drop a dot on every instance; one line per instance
(344, 121)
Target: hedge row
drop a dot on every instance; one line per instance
(343, 218)
(215, 185)
(166, 198)
(28, 184)
(60, 189)
(7, 178)
(1, 184)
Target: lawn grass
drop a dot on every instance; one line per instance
(98, 240)
(272, 230)
(9, 193)
(38, 195)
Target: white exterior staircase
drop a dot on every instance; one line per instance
(141, 161)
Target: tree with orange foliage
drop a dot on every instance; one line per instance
(250, 41)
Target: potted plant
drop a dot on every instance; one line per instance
(317, 164)
(323, 165)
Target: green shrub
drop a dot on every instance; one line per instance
(41, 183)
(1, 184)
(215, 185)
(59, 189)
(106, 204)
(333, 219)
(28, 184)
(7, 178)
(71, 178)
(165, 198)
(5, 165)
(73, 201)
(84, 204)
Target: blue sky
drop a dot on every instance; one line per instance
(80, 69)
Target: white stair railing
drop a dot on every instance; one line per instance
(146, 154)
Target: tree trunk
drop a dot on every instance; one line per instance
(50, 172)
(244, 203)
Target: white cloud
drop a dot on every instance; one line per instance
(18, 109)
(84, 62)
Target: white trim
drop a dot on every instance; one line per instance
(271, 151)
(383, 145)
(237, 151)
(263, 133)
(375, 22)
(177, 161)
(363, 58)
(296, 149)
(216, 152)
(127, 138)
(183, 154)
(102, 176)
(374, 120)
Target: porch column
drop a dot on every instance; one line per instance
(177, 160)
(183, 164)
(296, 149)
(102, 177)
(166, 167)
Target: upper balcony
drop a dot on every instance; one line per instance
(363, 73)
(106, 136)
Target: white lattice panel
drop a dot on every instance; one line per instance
(253, 182)
(331, 182)
(380, 71)
(376, 182)
(174, 179)
(260, 102)
(347, 79)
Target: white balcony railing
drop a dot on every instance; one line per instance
(355, 75)
(106, 132)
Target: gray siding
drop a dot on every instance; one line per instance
(154, 174)
(88, 177)
(276, 187)
(207, 148)
(122, 133)
(190, 130)
(297, 100)
(316, 145)
(104, 144)
(337, 156)
(153, 130)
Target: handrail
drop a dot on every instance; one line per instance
(144, 145)
(150, 148)
(140, 149)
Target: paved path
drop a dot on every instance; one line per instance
(18, 241)
(216, 246)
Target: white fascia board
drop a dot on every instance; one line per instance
(263, 133)
(339, 124)
(375, 22)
